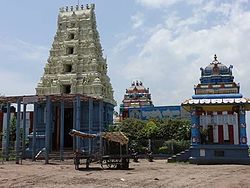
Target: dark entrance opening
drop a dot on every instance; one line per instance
(67, 89)
(67, 68)
(68, 125)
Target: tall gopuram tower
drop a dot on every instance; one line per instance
(136, 96)
(218, 110)
(76, 64)
(75, 91)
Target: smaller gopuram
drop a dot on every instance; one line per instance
(218, 118)
(136, 96)
(137, 103)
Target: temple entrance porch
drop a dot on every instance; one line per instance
(53, 118)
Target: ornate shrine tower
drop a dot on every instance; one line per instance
(218, 110)
(76, 64)
(136, 96)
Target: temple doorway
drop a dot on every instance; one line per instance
(68, 125)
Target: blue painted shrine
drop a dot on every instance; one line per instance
(218, 118)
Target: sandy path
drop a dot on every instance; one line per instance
(142, 174)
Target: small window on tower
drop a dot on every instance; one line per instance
(67, 68)
(71, 36)
(70, 50)
(67, 89)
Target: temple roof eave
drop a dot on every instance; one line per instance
(216, 103)
(54, 98)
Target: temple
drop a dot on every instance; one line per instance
(74, 91)
(137, 103)
(136, 96)
(218, 110)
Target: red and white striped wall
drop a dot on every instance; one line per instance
(222, 126)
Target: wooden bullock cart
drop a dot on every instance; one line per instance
(113, 152)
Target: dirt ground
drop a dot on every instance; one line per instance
(142, 174)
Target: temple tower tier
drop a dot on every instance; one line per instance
(76, 64)
(218, 124)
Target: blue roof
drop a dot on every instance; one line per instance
(217, 96)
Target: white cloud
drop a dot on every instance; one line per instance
(157, 3)
(169, 62)
(23, 66)
(137, 20)
(22, 49)
(30, 51)
(124, 43)
(166, 3)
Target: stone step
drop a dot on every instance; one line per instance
(171, 160)
(180, 157)
(67, 154)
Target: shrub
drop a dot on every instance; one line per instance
(164, 150)
(177, 146)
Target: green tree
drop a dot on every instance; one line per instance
(150, 130)
(13, 130)
(166, 129)
(184, 130)
(177, 131)
(174, 129)
(132, 128)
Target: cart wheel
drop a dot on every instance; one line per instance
(76, 167)
(108, 163)
(111, 163)
(125, 163)
(102, 162)
(77, 163)
(88, 163)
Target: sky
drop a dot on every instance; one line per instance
(163, 43)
